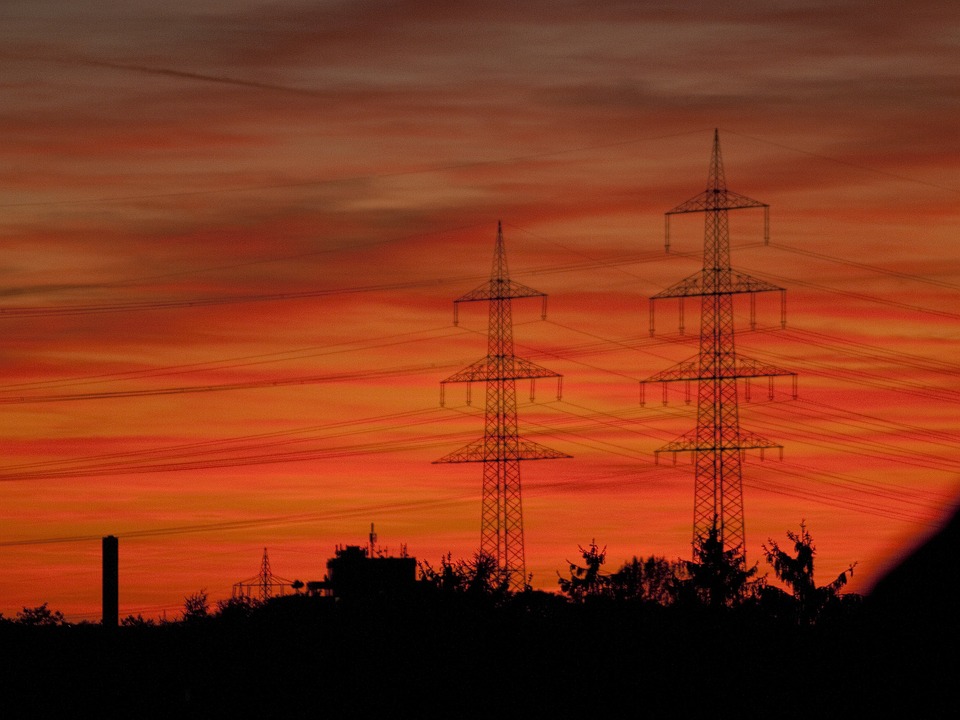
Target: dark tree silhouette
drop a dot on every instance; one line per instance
(586, 581)
(719, 578)
(137, 620)
(480, 577)
(196, 607)
(238, 607)
(653, 579)
(447, 578)
(40, 616)
(796, 571)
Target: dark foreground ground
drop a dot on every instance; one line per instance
(539, 658)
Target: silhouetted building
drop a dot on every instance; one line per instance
(111, 581)
(351, 573)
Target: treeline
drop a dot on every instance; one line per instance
(653, 637)
(717, 579)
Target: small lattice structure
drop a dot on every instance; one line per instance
(263, 586)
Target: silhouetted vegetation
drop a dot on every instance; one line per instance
(718, 578)
(40, 616)
(796, 571)
(653, 580)
(664, 637)
(586, 581)
(478, 578)
(196, 607)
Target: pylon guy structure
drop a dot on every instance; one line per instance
(501, 448)
(718, 443)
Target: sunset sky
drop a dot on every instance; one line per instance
(232, 233)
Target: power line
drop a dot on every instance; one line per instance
(276, 520)
(848, 163)
(400, 371)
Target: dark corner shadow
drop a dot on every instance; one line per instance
(924, 587)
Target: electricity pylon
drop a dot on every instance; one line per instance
(263, 585)
(501, 448)
(718, 443)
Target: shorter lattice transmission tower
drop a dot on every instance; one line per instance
(263, 586)
(501, 448)
(718, 443)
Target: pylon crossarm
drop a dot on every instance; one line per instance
(687, 441)
(511, 368)
(258, 582)
(474, 452)
(480, 370)
(751, 441)
(529, 450)
(249, 581)
(688, 287)
(686, 370)
(524, 369)
(484, 451)
(747, 441)
(748, 367)
(689, 370)
(716, 199)
(743, 283)
(684, 443)
(497, 289)
(732, 283)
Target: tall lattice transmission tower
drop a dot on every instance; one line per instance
(501, 448)
(718, 443)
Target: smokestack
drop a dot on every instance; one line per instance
(111, 582)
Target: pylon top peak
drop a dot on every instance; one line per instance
(499, 286)
(500, 270)
(716, 181)
(716, 197)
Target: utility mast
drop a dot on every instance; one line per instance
(501, 449)
(718, 443)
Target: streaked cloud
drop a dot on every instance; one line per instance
(302, 188)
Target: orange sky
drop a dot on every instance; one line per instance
(266, 209)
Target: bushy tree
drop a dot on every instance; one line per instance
(137, 621)
(40, 616)
(586, 581)
(447, 578)
(718, 578)
(196, 606)
(479, 577)
(796, 571)
(484, 577)
(653, 579)
(239, 607)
